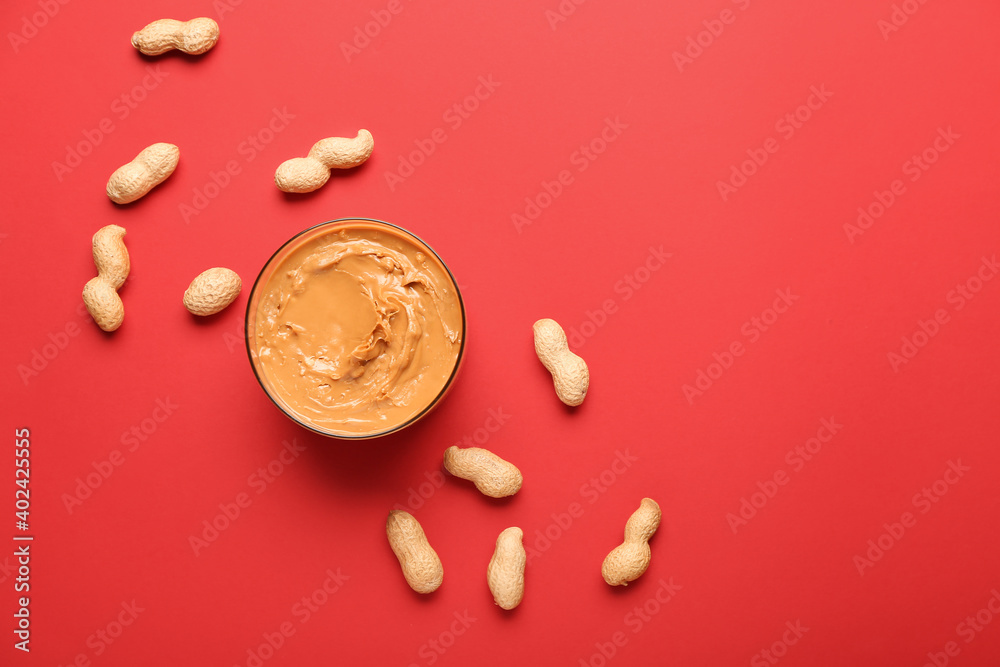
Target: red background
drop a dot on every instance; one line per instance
(655, 184)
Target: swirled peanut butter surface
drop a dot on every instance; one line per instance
(357, 330)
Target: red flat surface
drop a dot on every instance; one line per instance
(612, 147)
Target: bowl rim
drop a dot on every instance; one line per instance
(295, 418)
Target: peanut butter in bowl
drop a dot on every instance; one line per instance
(355, 328)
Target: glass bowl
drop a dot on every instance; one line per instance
(369, 421)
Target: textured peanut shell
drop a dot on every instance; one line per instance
(212, 291)
(103, 304)
(505, 574)
(492, 475)
(150, 167)
(570, 374)
(194, 37)
(420, 563)
(628, 561)
(343, 152)
(111, 256)
(305, 174)
(301, 175)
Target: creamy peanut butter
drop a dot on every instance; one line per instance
(358, 328)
